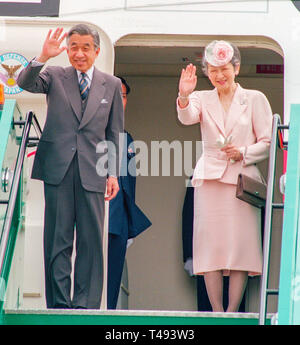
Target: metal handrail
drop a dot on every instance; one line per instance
(264, 291)
(14, 189)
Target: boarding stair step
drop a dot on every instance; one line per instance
(125, 317)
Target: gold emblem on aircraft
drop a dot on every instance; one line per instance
(11, 70)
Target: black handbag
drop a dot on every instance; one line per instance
(251, 191)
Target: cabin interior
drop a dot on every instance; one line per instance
(151, 64)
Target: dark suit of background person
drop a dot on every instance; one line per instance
(203, 303)
(66, 161)
(126, 220)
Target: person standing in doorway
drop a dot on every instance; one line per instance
(84, 109)
(126, 220)
(236, 127)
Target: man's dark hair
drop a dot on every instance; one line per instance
(125, 83)
(83, 29)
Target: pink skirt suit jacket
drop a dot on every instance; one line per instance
(227, 232)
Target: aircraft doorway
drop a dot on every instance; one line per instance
(151, 64)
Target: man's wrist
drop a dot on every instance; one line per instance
(42, 59)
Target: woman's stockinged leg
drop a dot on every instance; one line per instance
(214, 287)
(237, 284)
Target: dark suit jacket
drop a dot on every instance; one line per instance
(187, 224)
(123, 209)
(66, 130)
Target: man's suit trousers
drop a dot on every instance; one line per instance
(69, 207)
(117, 246)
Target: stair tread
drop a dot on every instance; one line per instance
(156, 313)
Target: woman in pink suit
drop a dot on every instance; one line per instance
(236, 126)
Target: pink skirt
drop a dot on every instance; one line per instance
(227, 231)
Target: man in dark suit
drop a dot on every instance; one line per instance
(84, 111)
(126, 220)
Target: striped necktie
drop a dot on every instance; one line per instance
(84, 87)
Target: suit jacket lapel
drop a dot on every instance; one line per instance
(72, 90)
(96, 94)
(215, 110)
(238, 106)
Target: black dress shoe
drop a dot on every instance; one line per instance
(60, 306)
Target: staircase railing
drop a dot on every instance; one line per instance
(13, 215)
(265, 291)
(289, 283)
